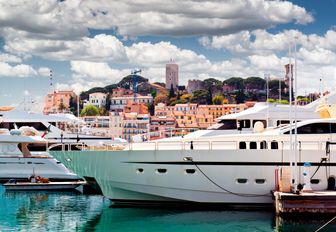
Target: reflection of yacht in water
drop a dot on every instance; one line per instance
(52, 125)
(18, 160)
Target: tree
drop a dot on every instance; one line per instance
(73, 104)
(254, 83)
(208, 83)
(89, 110)
(181, 101)
(237, 82)
(209, 100)
(151, 108)
(171, 91)
(61, 107)
(240, 97)
(161, 98)
(218, 100)
(200, 96)
(108, 102)
(103, 112)
(153, 93)
(186, 97)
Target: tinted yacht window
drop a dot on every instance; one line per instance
(315, 128)
(225, 125)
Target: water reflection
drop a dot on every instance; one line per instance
(71, 211)
(304, 223)
(47, 211)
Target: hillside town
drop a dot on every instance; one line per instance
(135, 107)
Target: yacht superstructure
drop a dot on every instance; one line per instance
(234, 169)
(270, 114)
(18, 161)
(49, 123)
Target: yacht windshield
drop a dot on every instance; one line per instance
(227, 124)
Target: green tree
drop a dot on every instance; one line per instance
(240, 96)
(200, 96)
(89, 110)
(171, 92)
(103, 112)
(254, 83)
(151, 108)
(209, 100)
(180, 101)
(186, 97)
(62, 107)
(161, 98)
(218, 100)
(237, 82)
(108, 102)
(153, 93)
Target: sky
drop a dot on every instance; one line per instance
(91, 43)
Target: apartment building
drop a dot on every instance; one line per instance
(97, 99)
(57, 101)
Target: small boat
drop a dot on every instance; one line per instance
(13, 185)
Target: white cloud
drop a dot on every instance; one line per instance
(159, 54)
(21, 70)
(5, 57)
(195, 17)
(70, 20)
(44, 71)
(97, 70)
(318, 56)
(101, 47)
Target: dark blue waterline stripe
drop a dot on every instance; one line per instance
(213, 163)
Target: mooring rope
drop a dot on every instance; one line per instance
(325, 224)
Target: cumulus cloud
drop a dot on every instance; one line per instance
(70, 20)
(5, 57)
(100, 47)
(44, 71)
(21, 70)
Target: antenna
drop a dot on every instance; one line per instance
(134, 74)
(51, 79)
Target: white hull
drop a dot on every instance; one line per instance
(131, 176)
(23, 186)
(22, 168)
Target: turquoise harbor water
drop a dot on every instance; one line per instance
(72, 211)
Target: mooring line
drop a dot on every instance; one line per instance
(325, 224)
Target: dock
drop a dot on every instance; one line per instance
(321, 202)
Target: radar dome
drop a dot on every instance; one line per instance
(258, 127)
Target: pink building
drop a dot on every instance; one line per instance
(55, 101)
(120, 92)
(162, 127)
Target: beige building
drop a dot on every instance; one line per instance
(118, 103)
(98, 125)
(97, 99)
(116, 124)
(57, 101)
(136, 127)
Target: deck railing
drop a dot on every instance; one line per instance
(193, 145)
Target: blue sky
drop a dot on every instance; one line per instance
(95, 43)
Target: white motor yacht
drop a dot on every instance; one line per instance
(222, 169)
(49, 124)
(18, 160)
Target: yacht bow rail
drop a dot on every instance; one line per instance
(195, 145)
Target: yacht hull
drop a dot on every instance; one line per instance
(20, 168)
(193, 176)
